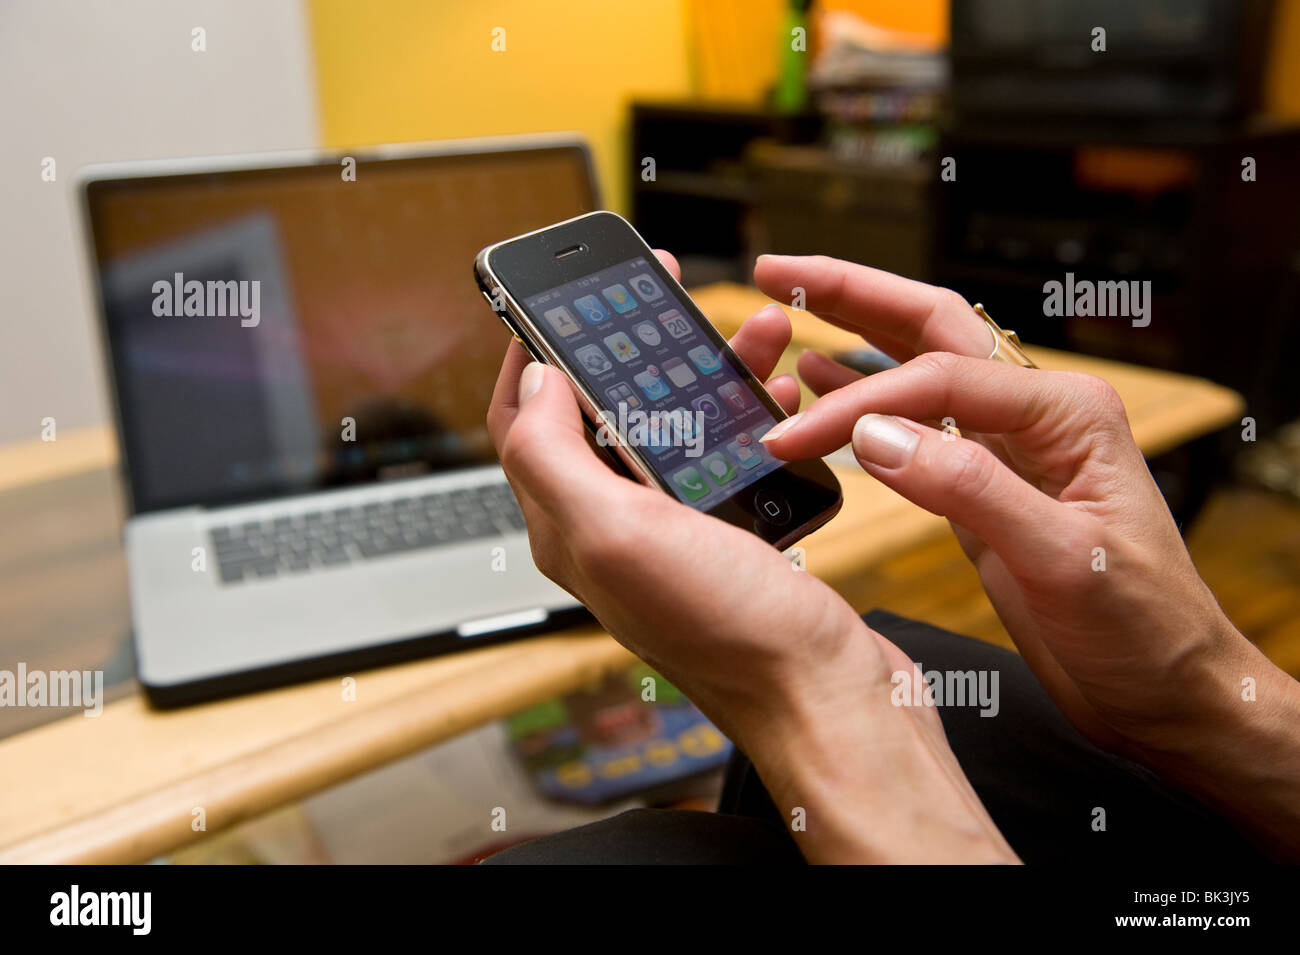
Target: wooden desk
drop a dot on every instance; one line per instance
(123, 787)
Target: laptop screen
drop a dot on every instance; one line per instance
(279, 330)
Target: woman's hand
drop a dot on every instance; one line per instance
(773, 656)
(1052, 501)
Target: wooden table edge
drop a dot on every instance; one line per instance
(154, 822)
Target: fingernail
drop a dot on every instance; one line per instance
(880, 439)
(530, 380)
(774, 257)
(780, 428)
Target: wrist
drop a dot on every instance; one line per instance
(860, 780)
(1234, 744)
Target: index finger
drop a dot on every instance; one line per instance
(901, 317)
(984, 396)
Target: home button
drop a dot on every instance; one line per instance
(772, 508)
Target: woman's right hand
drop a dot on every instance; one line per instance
(1053, 502)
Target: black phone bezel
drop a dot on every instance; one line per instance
(805, 494)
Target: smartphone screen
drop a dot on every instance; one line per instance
(589, 295)
(670, 390)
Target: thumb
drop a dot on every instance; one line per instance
(548, 404)
(965, 482)
(545, 452)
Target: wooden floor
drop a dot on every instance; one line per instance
(1246, 544)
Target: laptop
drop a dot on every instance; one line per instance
(301, 366)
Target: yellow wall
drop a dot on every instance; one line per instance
(1282, 84)
(407, 70)
(733, 47)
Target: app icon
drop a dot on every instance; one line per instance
(704, 359)
(708, 406)
(745, 450)
(675, 323)
(648, 334)
(591, 309)
(718, 468)
(622, 347)
(757, 433)
(646, 287)
(690, 483)
(657, 439)
(562, 320)
(593, 359)
(656, 435)
(678, 372)
(622, 394)
(650, 383)
(736, 395)
(682, 423)
(618, 296)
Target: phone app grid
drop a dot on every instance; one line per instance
(637, 347)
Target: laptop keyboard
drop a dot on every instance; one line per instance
(317, 539)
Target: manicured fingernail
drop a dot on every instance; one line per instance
(530, 380)
(780, 428)
(880, 439)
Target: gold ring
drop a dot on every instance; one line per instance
(1006, 344)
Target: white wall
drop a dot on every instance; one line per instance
(97, 80)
